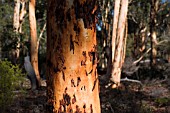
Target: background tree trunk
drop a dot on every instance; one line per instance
(34, 42)
(16, 15)
(118, 41)
(72, 78)
(153, 33)
(16, 26)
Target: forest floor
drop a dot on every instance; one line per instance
(152, 97)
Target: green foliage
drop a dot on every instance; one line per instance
(10, 78)
(162, 101)
(9, 39)
(129, 45)
(6, 26)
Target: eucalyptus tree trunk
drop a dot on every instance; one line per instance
(22, 14)
(142, 37)
(72, 79)
(34, 41)
(16, 15)
(16, 25)
(119, 38)
(19, 13)
(153, 33)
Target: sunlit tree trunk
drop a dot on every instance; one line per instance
(34, 41)
(22, 14)
(72, 78)
(118, 38)
(16, 15)
(16, 25)
(142, 36)
(153, 22)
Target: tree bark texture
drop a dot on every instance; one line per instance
(118, 38)
(16, 26)
(72, 78)
(153, 22)
(34, 44)
(16, 15)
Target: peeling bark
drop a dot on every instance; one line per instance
(71, 57)
(118, 39)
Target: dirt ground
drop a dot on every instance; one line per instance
(152, 97)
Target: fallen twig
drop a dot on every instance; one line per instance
(131, 80)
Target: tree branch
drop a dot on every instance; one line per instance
(135, 62)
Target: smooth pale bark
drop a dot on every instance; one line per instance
(34, 44)
(22, 14)
(16, 15)
(121, 8)
(72, 78)
(16, 26)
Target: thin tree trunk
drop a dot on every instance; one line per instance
(16, 15)
(34, 44)
(16, 25)
(72, 78)
(118, 37)
(142, 33)
(22, 14)
(153, 13)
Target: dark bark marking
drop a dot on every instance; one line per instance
(76, 29)
(92, 56)
(69, 109)
(65, 103)
(74, 99)
(83, 88)
(65, 90)
(63, 75)
(67, 99)
(64, 67)
(78, 109)
(84, 107)
(55, 69)
(94, 84)
(87, 11)
(83, 62)
(84, 53)
(95, 73)
(62, 104)
(78, 81)
(87, 73)
(91, 108)
(71, 43)
(62, 59)
(72, 83)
